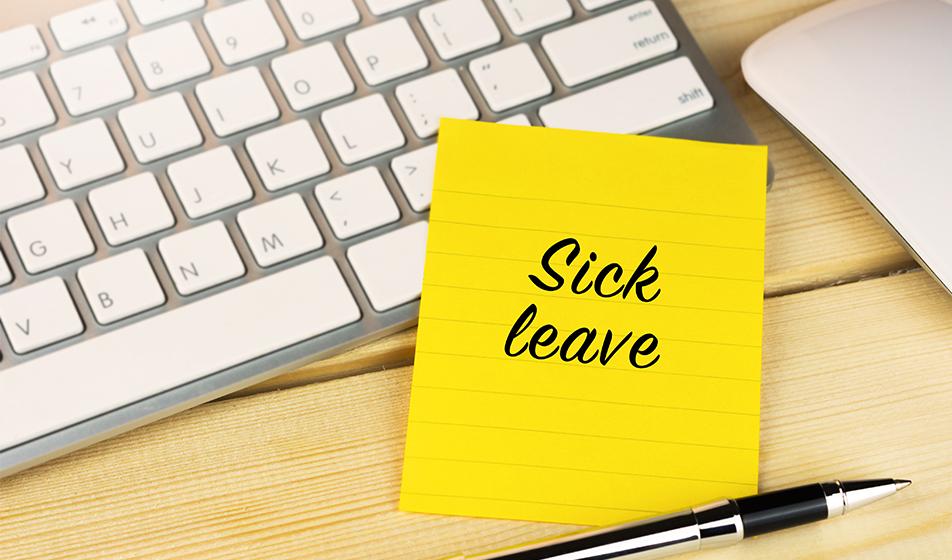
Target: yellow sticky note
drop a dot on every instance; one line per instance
(590, 326)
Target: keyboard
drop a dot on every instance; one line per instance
(199, 194)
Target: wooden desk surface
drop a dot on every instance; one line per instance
(857, 383)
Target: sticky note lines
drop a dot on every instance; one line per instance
(589, 340)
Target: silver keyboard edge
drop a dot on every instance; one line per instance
(721, 124)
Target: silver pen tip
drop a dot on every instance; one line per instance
(858, 493)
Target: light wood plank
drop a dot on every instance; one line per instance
(313, 472)
(856, 384)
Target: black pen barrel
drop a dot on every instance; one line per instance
(782, 509)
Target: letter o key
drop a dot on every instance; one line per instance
(302, 87)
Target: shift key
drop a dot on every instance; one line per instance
(635, 103)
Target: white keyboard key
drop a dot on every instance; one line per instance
(243, 31)
(19, 46)
(390, 267)
(526, 16)
(381, 7)
(426, 99)
(21, 185)
(159, 127)
(287, 155)
(39, 315)
(313, 18)
(520, 120)
(169, 55)
(635, 103)
(212, 334)
(362, 129)
(510, 77)
(357, 202)
(154, 11)
(6, 276)
(210, 181)
(279, 230)
(23, 105)
(386, 51)
(81, 154)
(237, 101)
(458, 27)
(311, 76)
(88, 24)
(610, 42)
(596, 4)
(120, 286)
(131, 209)
(92, 80)
(49, 236)
(201, 257)
(414, 173)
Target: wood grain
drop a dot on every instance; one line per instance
(857, 383)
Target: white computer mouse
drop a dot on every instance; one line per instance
(869, 84)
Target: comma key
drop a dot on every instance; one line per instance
(357, 202)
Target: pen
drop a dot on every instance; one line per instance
(709, 526)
